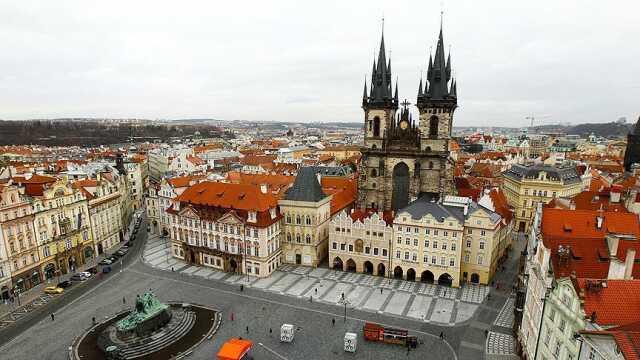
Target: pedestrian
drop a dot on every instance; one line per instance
(93, 320)
(316, 291)
(53, 317)
(380, 291)
(333, 322)
(232, 316)
(486, 332)
(270, 331)
(124, 301)
(172, 269)
(342, 296)
(441, 335)
(247, 329)
(241, 287)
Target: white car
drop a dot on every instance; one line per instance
(86, 274)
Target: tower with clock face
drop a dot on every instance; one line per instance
(403, 159)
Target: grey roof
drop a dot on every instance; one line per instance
(332, 170)
(306, 187)
(568, 175)
(422, 206)
(473, 207)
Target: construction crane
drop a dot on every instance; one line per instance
(533, 118)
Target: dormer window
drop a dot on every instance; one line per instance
(272, 212)
(252, 216)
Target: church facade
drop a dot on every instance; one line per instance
(404, 159)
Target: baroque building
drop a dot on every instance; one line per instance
(401, 159)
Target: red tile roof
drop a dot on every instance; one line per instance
(501, 205)
(344, 191)
(595, 200)
(617, 304)
(34, 185)
(230, 196)
(589, 253)
(184, 181)
(360, 215)
(277, 184)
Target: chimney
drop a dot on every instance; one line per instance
(599, 220)
(628, 263)
(615, 194)
(612, 244)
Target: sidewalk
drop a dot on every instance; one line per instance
(37, 291)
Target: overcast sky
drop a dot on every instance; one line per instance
(565, 61)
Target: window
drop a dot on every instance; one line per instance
(480, 259)
(425, 258)
(435, 232)
(426, 243)
(367, 250)
(466, 258)
(444, 246)
(414, 257)
(375, 251)
(406, 255)
(399, 240)
(397, 254)
(446, 233)
(435, 244)
(407, 241)
(343, 247)
(308, 239)
(563, 325)
(308, 220)
(442, 260)
(455, 234)
(452, 262)
(298, 220)
(434, 260)
(453, 246)
(481, 245)
(483, 233)
(428, 231)
(384, 252)
(350, 247)
(556, 349)
(415, 242)
(416, 230)
(334, 246)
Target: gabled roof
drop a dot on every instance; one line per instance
(344, 191)
(361, 214)
(305, 187)
(184, 181)
(422, 206)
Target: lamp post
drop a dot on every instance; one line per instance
(345, 302)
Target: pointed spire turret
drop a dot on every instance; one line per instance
(381, 91)
(395, 97)
(437, 86)
(420, 93)
(364, 93)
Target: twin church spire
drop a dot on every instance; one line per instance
(438, 85)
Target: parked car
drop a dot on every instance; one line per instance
(64, 284)
(106, 269)
(92, 270)
(53, 290)
(121, 252)
(78, 277)
(86, 274)
(115, 255)
(105, 261)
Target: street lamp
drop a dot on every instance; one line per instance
(345, 302)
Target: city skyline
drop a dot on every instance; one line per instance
(511, 61)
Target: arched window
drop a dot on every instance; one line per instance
(298, 238)
(376, 126)
(430, 164)
(374, 173)
(308, 220)
(433, 127)
(374, 146)
(288, 237)
(308, 239)
(298, 220)
(288, 219)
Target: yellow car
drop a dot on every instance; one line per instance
(53, 290)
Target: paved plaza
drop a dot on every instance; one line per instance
(430, 303)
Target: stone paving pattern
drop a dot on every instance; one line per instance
(427, 302)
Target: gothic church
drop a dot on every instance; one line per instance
(404, 159)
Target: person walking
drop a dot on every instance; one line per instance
(333, 322)
(442, 335)
(53, 317)
(380, 291)
(124, 300)
(247, 329)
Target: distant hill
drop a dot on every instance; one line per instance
(92, 133)
(607, 130)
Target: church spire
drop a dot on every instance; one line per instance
(381, 92)
(420, 88)
(439, 71)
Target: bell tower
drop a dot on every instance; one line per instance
(380, 104)
(437, 102)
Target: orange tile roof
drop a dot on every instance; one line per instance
(230, 196)
(617, 304)
(276, 183)
(196, 160)
(595, 200)
(184, 181)
(344, 191)
(360, 215)
(257, 160)
(500, 203)
(589, 256)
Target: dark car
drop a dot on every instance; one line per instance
(121, 252)
(64, 284)
(93, 270)
(106, 269)
(105, 261)
(113, 258)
